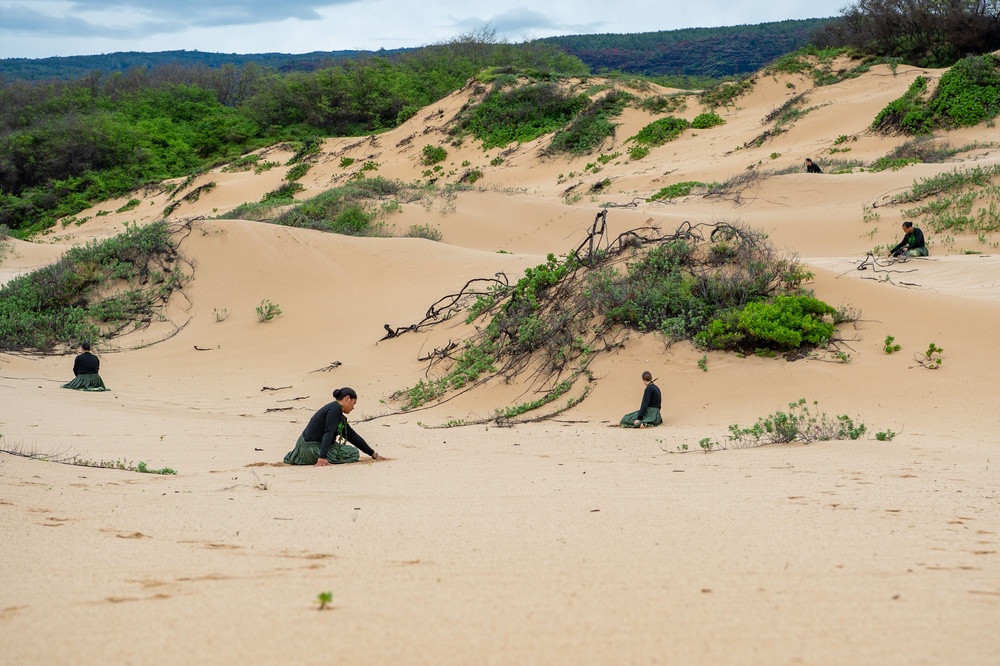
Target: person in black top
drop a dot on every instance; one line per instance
(86, 367)
(912, 244)
(812, 167)
(323, 440)
(649, 411)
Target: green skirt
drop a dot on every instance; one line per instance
(651, 419)
(919, 252)
(87, 383)
(307, 453)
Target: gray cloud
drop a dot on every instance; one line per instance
(20, 19)
(143, 18)
(212, 12)
(521, 22)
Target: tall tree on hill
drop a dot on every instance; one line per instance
(927, 33)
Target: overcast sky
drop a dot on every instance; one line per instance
(43, 28)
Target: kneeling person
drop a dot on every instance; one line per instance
(325, 438)
(912, 245)
(86, 372)
(649, 410)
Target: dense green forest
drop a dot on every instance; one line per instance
(71, 67)
(65, 145)
(699, 52)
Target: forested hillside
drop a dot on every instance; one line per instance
(36, 69)
(65, 145)
(699, 52)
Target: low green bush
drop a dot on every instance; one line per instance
(677, 190)
(591, 126)
(297, 171)
(284, 194)
(707, 120)
(352, 209)
(424, 231)
(798, 424)
(786, 322)
(433, 154)
(725, 94)
(660, 131)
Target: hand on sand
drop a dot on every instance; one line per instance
(321, 462)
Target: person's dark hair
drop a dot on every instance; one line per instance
(85, 346)
(809, 160)
(647, 376)
(908, 224)
(345, 392)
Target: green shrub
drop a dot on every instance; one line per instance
(297, 171)
(519, 114)
(353, 220)
(707, 120)
(433, 154)
(349, 209)
(676, 190)
(130, 205)
(592, 126)
(424, 231)
(798, 424)
(312, 145)
(638, 152)
(241, 163)
(725, 94)
(664, 103)
(283, 194)
(787, 322)
(891, 163)
(267, 311)
(660, 131)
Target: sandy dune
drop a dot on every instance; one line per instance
(565, 541)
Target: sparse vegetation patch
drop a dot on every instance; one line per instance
(94, 291)
(561, 314)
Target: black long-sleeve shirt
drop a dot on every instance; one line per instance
(86, 364)
(650, 398)
(911, 241)
(329, 422)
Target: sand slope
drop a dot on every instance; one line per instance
(565, 541)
